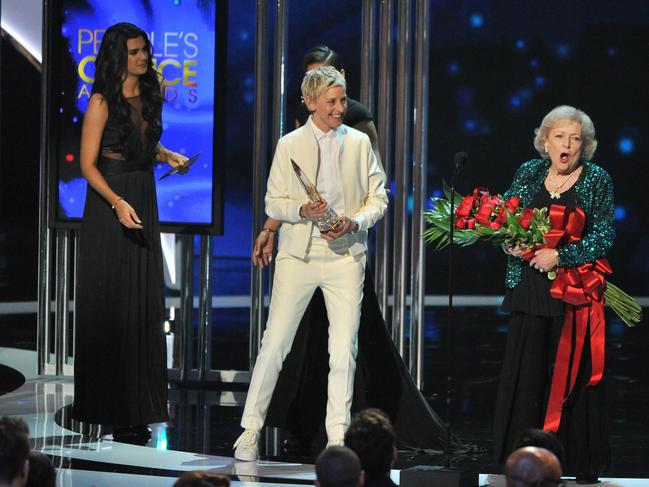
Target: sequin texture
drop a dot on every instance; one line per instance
(594, 190)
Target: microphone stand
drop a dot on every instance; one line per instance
(459, 160)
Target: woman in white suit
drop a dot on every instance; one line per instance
(341, 162)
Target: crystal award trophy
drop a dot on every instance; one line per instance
(330, 219)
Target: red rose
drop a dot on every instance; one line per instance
(465, 207)
(525, 218)
(512, 204)
(483, 214)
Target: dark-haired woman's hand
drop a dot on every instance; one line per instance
(174, 159)
(127, 216)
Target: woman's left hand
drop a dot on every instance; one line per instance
(176, 160)
(545, 260)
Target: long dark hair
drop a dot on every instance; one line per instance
(110, 67)
(322, 54)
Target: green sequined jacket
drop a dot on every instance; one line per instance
(594, 190)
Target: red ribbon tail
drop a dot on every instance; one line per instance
(560, 374)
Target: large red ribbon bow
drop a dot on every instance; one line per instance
(581, 288)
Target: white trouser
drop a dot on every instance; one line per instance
(340, 276)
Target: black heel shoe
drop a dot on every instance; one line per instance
(135, 435)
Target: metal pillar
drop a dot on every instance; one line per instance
(205, 308)
(260, 148)
(419, 173)
(384, 129)
(368, 57)
(401, 173)
(184, 330)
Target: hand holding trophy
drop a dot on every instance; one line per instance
(329, 219)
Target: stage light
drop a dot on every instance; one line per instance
(69, 157)
(520, 44)
(620, 213)
(75, 119)
(563, 51)
(611, 51)
(453, 67)
(176, 2)
(534, 63)
(626, 145)
(539, 81)
(476, 20)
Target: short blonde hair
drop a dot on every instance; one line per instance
(319, 80)
(565, 112)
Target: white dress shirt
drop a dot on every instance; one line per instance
(328, 181)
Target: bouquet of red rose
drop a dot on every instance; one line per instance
(481, 216)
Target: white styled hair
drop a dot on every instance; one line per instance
(565, 112)
(319, 80)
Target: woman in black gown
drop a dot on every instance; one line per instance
(382, 380)
(120, 352)
(564, 176)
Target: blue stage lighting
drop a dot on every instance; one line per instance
(563, 51)
(539, 81)
(476, 20)
(176, 2)
(626, 145)
(620, 213)
(611, 51)
(520, 44)
(534, 63)
(453, 67)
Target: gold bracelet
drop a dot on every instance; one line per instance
(269, 230)
(115, 204)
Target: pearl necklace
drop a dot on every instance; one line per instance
(556, 194)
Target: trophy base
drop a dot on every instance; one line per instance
(328, 221)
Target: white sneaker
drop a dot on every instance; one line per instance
(245, 448)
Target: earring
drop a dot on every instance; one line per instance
(546, 149)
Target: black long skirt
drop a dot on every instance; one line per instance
(523, 395)
(120, 372)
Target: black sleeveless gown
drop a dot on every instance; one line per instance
(120, 370)
(534, 331)
(381, 381)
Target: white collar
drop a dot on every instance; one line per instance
(319, 134)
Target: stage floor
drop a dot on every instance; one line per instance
(199, 436)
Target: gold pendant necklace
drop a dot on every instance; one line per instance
(556, 194)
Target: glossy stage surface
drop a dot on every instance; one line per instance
(203, 424)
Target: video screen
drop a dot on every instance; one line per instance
(183, 35)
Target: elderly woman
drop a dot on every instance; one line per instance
(563, 176)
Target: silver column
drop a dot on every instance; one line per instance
(419, 185)
(44, 233)
(368, 57)
(205, 308)
(259, 174)
(184, 328)
(384, 129)
(62, 298)
(279, 70)
(401, 173)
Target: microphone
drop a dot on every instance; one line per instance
(460, 159)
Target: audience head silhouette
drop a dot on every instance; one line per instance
(371, 436)
(338, 466)
(14, 452)
(532, 465)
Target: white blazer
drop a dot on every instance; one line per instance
(362, 179)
